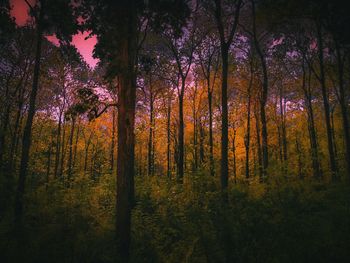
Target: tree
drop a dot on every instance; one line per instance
(221, 10)
(46, 17)
(119, 26)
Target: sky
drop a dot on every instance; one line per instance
(85, 46)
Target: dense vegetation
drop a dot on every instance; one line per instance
(209, 131)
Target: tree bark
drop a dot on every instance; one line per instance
(168, 136)
(181, 151)
(26, 139)
(343, 107)
(317, 173)
(224, 119)
(150, 130)
(70, 157)
(112, 141)
(234, 156)
(126, 136)
(247, 135)
(263, 98)
(322, 79)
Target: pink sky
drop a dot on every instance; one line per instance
(85, 47)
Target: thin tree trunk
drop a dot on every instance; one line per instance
(201, 142)
(112, 141)
(168, 136)
(283, 131)
(48, 164)
(224, 119)
(343, 107)
(317, 173)
(58, 145)
(63, 150)
(333, 132)
(263, 99)
(234, 156)
(195, 153)
(211, 144)
(322, 78)
(76, 144)
(258, 141)
(70, 157)
(150, 131)
(299, 151)
(26, 140)
(247, 135)
(181, 151)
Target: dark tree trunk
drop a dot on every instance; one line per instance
(181, 151)
(86, 154)
(48, 164)
(76, 144)
(317, 173)
(343, 107)
(70, 157)
(112, 141)
(150, 130)
(234, 156)
(168, 136)
(258, 142)
(224, 119)
(26, 140)
(211, 144)
(333, 132)
(283, 131)
(63, 151)
(299, 151)
(126, 136)
(247, 135)
(322, 78)
(263, 98)
(58, 145)
(195, 152)
(201, 142)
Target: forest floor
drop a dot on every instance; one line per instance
(279, 221)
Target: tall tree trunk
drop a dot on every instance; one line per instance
(181, 151)
(322, 78)
(283, 130)
(333, 132)
(317, 173)
(87, 145)
(58, 145)
(258, 142)
(26, 140)
(126, 136)
(263, 98)
(195, 152)
(48, 163)
(299, 151)
(201, 142)
(211, 144)
(168, 136)
(112, 141)
(224, 119)
(234, 156)
(247, 135)
(70, 157)
(150, 131)
(343, 107)
(63, 151)
(76, 145)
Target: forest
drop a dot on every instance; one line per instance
(198, 131)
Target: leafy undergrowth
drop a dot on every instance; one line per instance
(282, 221)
